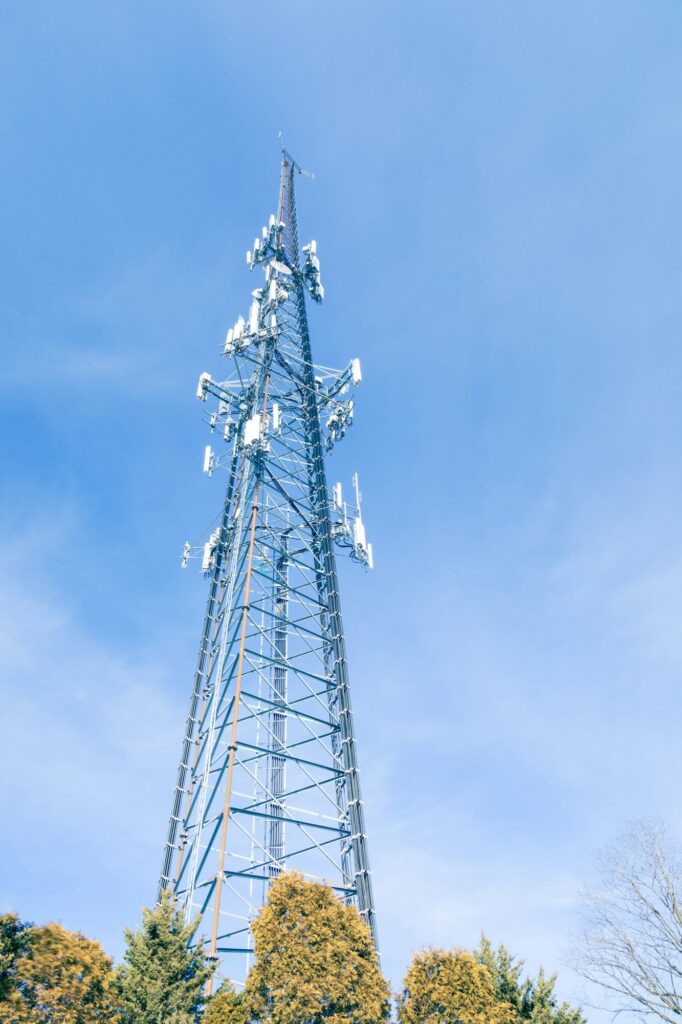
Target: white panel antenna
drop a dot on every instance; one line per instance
(359, 538)
(252, 430)
(253, 317)
(204, 381)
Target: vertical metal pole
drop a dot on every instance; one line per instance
(276, 778)
(232, 749)
(200, 677)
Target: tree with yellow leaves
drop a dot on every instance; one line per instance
(450, 987)
(314, 961)
(225, 1007)
(14, 946)
(63, 978)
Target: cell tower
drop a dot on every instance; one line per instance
(268, 777)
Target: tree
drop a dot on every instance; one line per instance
(14, 945)
(225, 1007)
(314, 960)
(61, 978)
(162, 978)
(449, 986)
(505, 971)
(544, 1008)
(631, 939)
(533, 1000)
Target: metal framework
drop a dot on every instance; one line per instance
(268, 777)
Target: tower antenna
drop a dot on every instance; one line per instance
(294, 164)
(268, 777)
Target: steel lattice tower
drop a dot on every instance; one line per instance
(268, 777)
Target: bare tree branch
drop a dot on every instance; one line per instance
(631, 940)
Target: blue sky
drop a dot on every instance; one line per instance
(497, 209)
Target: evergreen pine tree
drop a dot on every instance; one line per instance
(163, 977)
(505, 971)
(544, 1008)
(532, 1000)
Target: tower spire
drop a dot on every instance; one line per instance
(268, 777)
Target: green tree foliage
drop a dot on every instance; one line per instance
(60, 977)
(449, 986)
(14, 945)
(225, 1007)
(544, 1006)
(162, 978)
(314, 960)
(505, 971)
(531, 999)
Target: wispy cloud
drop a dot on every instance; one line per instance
(85, 755)
(128, 333)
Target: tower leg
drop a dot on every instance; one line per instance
(277, 766)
